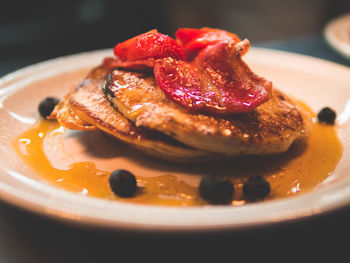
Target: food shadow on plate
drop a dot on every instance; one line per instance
(100, 146)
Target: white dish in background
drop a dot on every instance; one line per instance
(337, 34)
(317, 82)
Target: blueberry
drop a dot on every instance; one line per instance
(327, 115)
(123, 183)
(216, 190)
(256, 187)
(47, 105)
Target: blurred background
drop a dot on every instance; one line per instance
(36, 30)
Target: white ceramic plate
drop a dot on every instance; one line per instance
(317, 82)
(337, 34)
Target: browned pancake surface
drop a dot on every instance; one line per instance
(86, 108)
(270, 128)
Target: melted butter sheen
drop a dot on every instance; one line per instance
(299, 170)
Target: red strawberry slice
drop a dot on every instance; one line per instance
(216, 82)
(185, 35)
(143, 50)
(121, 50)
(194, 40)
(181, 82)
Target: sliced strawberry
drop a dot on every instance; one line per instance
(181, 82)
(185, 35)
(216, 82)
(121, 50)
(194, 40)
(150, 45)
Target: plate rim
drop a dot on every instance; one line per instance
(328, 33)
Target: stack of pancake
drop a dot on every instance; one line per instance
(130, 107)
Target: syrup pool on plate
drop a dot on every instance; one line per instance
(82, 161)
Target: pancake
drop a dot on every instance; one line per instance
(87, 108)
(270, 128)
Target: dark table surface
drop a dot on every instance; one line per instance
(26, 237)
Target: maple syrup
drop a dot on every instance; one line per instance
(299, 170)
